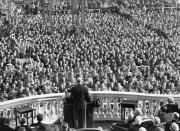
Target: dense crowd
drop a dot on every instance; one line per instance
(112, 53)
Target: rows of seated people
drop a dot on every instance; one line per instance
(144, 122)
(111, 54)
(41, 125)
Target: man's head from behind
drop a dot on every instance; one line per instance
(142, 129)
(22, 120)
(170, 100)
(159, 129)
(79, 79)
(138, 120)
(157, 121)
(174, 127)
(39, 117)
(64, 126)
(22, 129)
(175, 116)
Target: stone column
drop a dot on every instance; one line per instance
(109, 114)
(116, 109)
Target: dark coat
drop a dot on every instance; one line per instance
(134, 127)
(170, 108)
(28, 128)
(168, 124)
(80, 96)
(153, 128)
(6, 128)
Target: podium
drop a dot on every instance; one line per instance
(23, 110)
(127, 104)
(68, 113)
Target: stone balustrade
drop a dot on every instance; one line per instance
(51, 105)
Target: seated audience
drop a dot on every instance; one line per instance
(137, 112)
(174, 119)
(156, 124)
(174, 127)
(136, 125)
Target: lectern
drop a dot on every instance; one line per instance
(127, 104)
(23, 110)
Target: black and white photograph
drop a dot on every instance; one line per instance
(89, 65)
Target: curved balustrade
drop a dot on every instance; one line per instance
(51, 105)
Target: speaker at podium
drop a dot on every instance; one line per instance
(68, 113)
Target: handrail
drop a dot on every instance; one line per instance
(26, 100)
(132, 95)
(110, 109)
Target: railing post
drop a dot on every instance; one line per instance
(157, 107)
(144, 109)
(53, 107)
(5, 113)
(12, 113)
(102, 114)
(109, 114)
(45, 104)
(38, 108)
(59, 108)
(150, 110)
(116, 108)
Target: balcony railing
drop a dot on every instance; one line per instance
(51, 105)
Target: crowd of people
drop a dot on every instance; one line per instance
(112, 53)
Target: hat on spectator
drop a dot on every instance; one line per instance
(157, 121)
(64, 125)
(170, 100)
(159, 129)
(175, 116)
(138, 120)
(174, 127)
(22, 120)
(79, 79)
(142, 129)
(39, 117)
